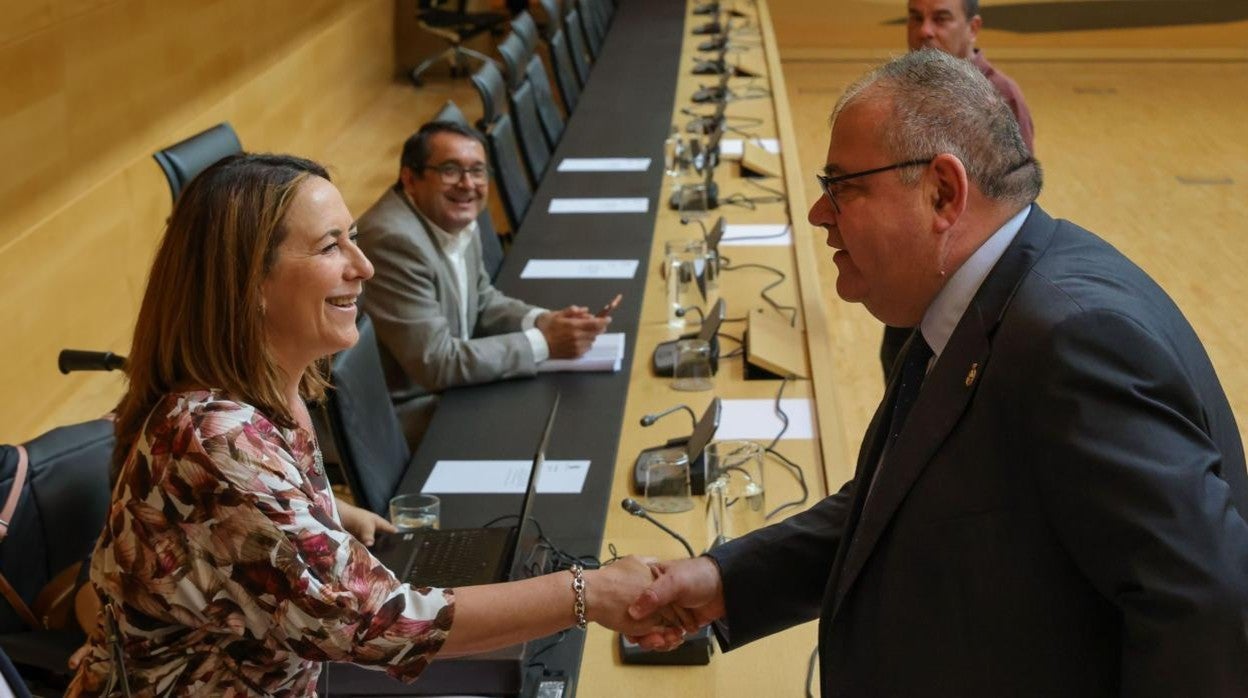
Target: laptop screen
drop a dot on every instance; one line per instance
(526, 529)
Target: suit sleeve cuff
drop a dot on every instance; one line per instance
(537, 342)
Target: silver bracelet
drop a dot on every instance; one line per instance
(578, 587)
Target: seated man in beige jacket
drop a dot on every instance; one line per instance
(439, 320)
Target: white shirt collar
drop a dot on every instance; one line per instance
(950, 304)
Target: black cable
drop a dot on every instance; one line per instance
(784, 417)
(779, 307)
(533, 658)
(770, 449)
(725, 335)
(561, 559)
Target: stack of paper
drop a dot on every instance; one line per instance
(607, 354)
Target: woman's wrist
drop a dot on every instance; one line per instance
(580, 596)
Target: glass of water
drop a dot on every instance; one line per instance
(685, 266)
(735, 469)
(409, 512)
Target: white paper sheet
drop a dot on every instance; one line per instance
(757, 235)
(733, 148)
(604, 165)
(593, 205)
(756, 419)
(606, 354)
(580, 269)
(505, 477)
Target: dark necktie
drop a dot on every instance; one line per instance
(913, 371)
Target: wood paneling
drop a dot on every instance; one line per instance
(91, 89)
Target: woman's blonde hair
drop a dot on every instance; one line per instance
(201, 324)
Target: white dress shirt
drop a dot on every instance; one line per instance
(950, 304)
(455, 247)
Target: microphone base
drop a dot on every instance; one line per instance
(697, 650)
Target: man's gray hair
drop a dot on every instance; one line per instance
(943, 104)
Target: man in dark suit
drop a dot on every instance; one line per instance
(953, 27)
(1051, 499)
(439, 319)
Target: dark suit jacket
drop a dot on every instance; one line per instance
(1062, 515)
(413, 301)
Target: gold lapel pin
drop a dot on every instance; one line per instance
(971, 374)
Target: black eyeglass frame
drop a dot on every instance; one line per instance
(448, 168)
(826, 182)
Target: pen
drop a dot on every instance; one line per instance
(610, 307)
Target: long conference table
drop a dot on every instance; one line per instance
(637, 89)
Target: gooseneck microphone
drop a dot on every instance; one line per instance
(684, 310)
(649, 419)
(633, 507)
(79, 360)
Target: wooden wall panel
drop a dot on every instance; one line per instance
(91, 89)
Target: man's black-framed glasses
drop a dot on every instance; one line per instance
(453, 173)
(827, 183)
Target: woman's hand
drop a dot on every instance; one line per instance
(610, 590)
(362, 523)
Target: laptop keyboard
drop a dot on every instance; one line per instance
(450, 559)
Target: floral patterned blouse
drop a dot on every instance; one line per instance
(229, 570)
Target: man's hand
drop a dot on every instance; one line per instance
(571, 331)
(687, 593)
(610, 590)
(362, 523)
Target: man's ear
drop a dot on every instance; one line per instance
(975, 24)
(407, 177)
(950, 190)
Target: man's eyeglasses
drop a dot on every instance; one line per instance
(451, 173)
(828, 183)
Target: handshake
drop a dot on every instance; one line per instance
(655, 603)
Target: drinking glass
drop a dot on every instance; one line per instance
(685, 260)
(735, 468)
(409, 512)
(667, 488)
(693, 365)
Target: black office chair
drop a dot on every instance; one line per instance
(523, 100)
(183, 160)
(365, 429)
(560, 56)
(594, 31)
(455, 27)
(491, 247)
(522, 65)
(500, 136)
(526, 28)
(56, 524)
(576, 45)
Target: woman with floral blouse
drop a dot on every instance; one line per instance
(225, 560)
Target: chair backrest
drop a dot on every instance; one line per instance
(593, 32)
(491, 248)
(576, 45)
(61, 510)
(451, 112)
(554, 18)
(515, 57)
(524, 27)
(565, 71)
(514, 187)
(529, 125)
(365, 427)
(493, 91)
(552, 120)
(183, 160)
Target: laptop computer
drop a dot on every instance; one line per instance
(469, 556)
